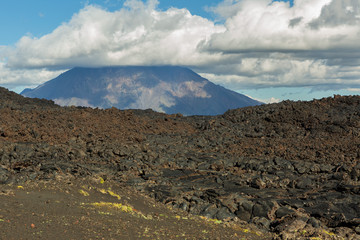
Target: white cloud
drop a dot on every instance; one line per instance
(275, 72)
(72, 102)
(137, 35)
(315, 42)
(338, 13)
(267, 100)
(353, 90)
(25, 77)
(256, 25)
(261, 43)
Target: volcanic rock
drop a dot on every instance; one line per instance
(280, 166)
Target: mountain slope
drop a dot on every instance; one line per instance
(165, 89)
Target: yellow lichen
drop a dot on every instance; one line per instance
(216, 221)
(244, 230)
(329, 233)
(103, 191)
(84, 193)
(101, 180)
(121, 207)
(111, 193)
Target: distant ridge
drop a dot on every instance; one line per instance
(168, 89)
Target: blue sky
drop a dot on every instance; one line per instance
(268, 50)
(40, 17)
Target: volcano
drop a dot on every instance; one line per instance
(168, 89)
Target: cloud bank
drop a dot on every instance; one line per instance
(259, 43)
(137, 34)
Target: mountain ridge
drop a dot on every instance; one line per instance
(168, 89)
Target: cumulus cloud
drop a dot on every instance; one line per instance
(135, 35)
(262, 26)
(259, 43)
(338, 13)
(315, 42)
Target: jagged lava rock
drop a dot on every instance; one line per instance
(291, 168)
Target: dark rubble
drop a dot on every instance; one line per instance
(291, 168)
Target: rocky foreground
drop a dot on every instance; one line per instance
(291, 169)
